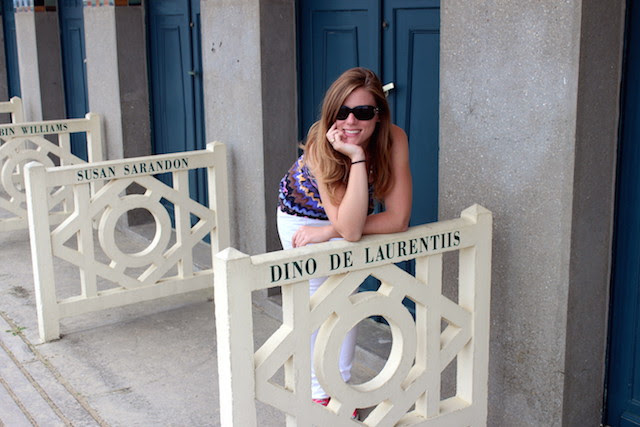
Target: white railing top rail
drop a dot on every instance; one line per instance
(407, 390)
(89, 123)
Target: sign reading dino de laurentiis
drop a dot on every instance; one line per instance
(130, 169)
(400, 249)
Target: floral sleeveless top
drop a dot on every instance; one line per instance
(299, 194)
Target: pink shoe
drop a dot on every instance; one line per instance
(325, 402)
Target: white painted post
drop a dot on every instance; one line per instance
(88, 276)
(17, 116)
(428, 323)
(13, 107)
(234, 328)
(183, 223)
(295, 314)
(42, 258)
(94, 138)
(474, 295)
(219, 196)
(95, 148)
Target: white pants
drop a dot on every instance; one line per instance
(287, 226)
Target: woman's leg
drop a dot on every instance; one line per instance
(346, 352)
(287, 226)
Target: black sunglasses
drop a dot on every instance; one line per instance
(361, 112)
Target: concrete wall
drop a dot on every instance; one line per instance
(513, 139)
(232, 87)
(40, 64)
(103, 78)
(28, 65)
(133, 78)
(279, 94)
(4, 84)
(249, 106)
(118, 85)
(117, 77)
(601, 40)
(50, 65)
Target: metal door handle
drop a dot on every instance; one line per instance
(388, 88)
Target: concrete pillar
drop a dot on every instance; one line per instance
(117, 77)
(103, 83)
(249, 93)
(528, 129)
(4, 84)
(279, 101)
(117, 82)
(133, 78)
(40, 63)
(601, 41)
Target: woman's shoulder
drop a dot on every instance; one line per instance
(397, 131)
(399, 137)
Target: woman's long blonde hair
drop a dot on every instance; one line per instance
(331, 166)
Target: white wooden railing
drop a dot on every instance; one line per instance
(14, 108)
(407, 390)
(32, 141)
(109, 276)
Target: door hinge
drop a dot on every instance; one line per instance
(385, 25)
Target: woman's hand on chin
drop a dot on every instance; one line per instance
(335, 138)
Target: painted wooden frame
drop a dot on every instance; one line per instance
(108, 276)
(13, 107)
(49, 143)
(407, 390)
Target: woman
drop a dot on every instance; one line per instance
(352, 155)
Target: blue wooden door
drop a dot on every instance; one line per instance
(334, 36)
(411, 51)
(10, 47)
(73, 68)
(400, 41)
(176, 81)
(623, 385)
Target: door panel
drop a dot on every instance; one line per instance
(411, 61)
(176, 82)
(11, 47)
(73, 67)
(334, 36)
(623, 386)
(172, 92)
(400, 41)
(196, 75)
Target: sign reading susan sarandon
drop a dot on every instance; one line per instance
(131, 168)
(141, 167)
